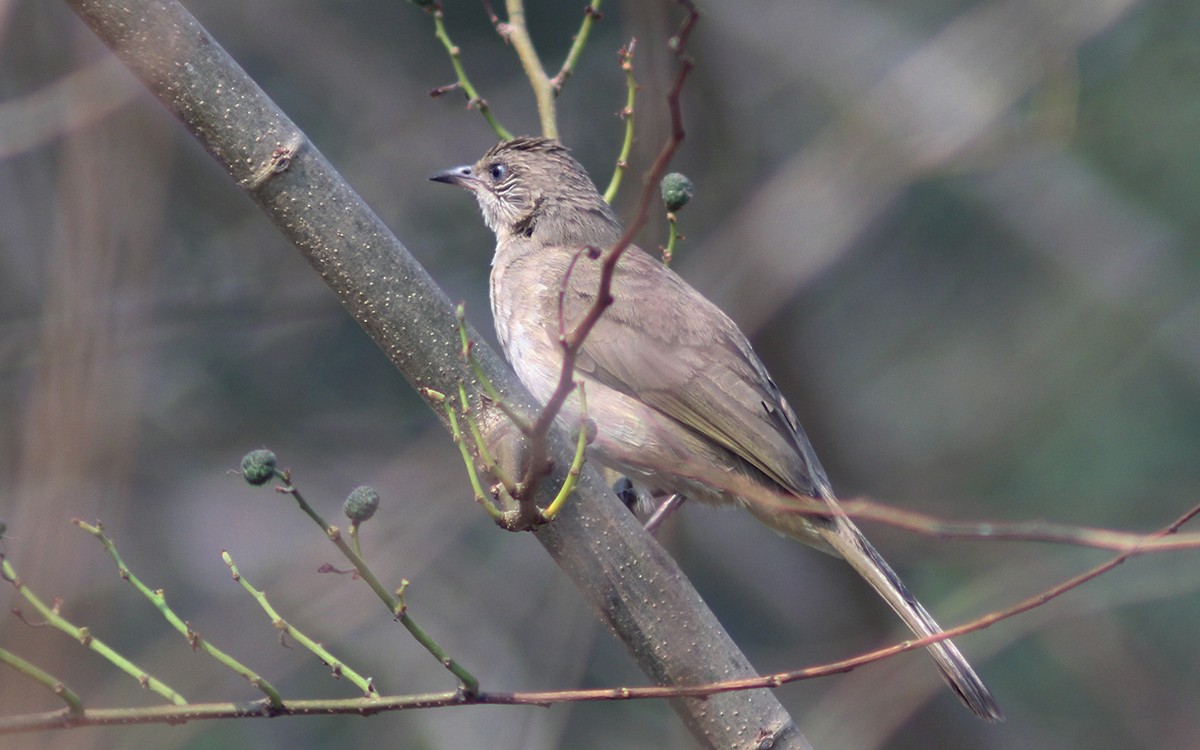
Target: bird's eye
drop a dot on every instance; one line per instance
(499, 171)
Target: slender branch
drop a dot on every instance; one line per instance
(474, 100)
(53, 617)
(591, 14)
(485, 455)
(668, 251)
(921, 523)
(45, 679)
(1019, 531)
(516, 31)
(489, 390)
(460, 440)
(587, 433)
(626, 57)
(336, 666)
(159, 599)
(363, 706)
(394, 602)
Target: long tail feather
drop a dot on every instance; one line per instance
(844, 537)
(836, 533)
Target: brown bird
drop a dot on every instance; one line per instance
(680, 401)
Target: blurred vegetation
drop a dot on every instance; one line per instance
(982, 295)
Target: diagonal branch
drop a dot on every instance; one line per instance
(591, 14)
(632, 584)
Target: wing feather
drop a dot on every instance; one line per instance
(659, 343)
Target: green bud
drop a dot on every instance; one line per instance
(258, 467)
(361, 504)
(677, 190)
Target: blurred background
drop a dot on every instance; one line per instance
(961, 234)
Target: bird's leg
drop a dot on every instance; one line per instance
(666, 508)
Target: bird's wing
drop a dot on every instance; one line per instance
(665, 344)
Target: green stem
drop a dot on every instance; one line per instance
(159, 600)
(47, 680)
(484, 382)
(590, 14)
(622, 167)
(469, 684)
(568, 486)
(473, 97)
(337, 666)
(485, 455)
(460, 440)
(668, 253)
(84, 636)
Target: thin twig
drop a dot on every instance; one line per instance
(1017, 531)
(364, 706)
(485, 455)
(45, 679)
(573, 342)
(394, 602)
(474, 100)
(587, 432)
(591, 14)
(626, 57)
(52, 616)
(337, 666)
(863, 509)
(489, 390)
(668, 251)
(198, 643)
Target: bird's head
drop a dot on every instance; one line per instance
(532, 187)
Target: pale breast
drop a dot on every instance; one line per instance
(519, 294)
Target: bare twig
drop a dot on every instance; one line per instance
(1018, 531)
(52, 616)
(366, 706)
(337, 667)
(864, 509)
(45, 679)
(668, 250)
(626, 57)
(591, 14)
(573, 341)
(468, 684)
(474, 100)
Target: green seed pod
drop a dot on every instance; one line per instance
(258, 467)
(677, 190)
(361, 504)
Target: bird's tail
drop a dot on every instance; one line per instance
(840, 535)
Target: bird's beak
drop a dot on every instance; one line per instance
(463, 176)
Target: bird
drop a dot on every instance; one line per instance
(680, 402)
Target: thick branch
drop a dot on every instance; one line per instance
(631, 582)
